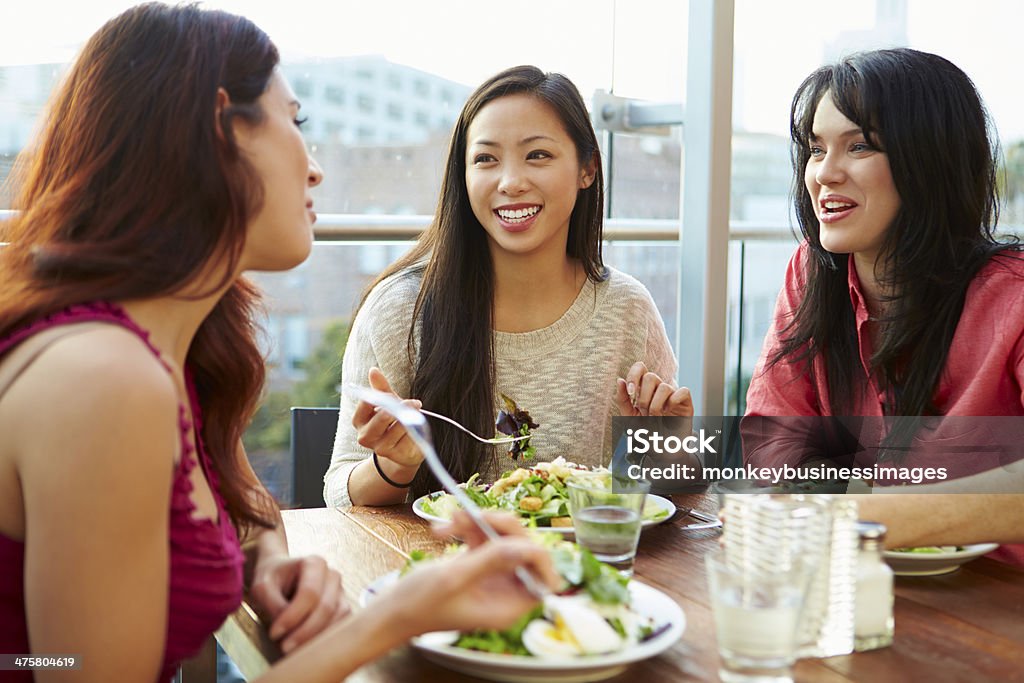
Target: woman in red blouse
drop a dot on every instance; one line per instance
(899, 301)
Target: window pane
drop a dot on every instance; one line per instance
(777, 44)
(380, 110)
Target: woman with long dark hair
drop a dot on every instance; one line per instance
(505, 293)
(900, 301)
(170, 162)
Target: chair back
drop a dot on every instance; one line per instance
(311, 446)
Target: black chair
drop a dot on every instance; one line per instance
(312, 443)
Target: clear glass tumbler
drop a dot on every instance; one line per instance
(757, 615)
(607, 522)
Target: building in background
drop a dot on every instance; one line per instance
(369, 100)
(380, 131)
(889, 30)
(24, 90)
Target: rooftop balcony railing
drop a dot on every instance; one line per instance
(364, 228)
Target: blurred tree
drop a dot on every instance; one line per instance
(323, 369)
(271, 426)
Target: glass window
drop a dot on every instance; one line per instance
(774, 50)
(345, 64)
(295, 342)
(334, 94)
(334, 128)
(373, 258)
(645, 175)
(365, 103)
(302, 87)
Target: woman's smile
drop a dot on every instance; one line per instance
(517, 217)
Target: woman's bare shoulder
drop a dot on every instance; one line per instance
(101, 360)
(89, 384)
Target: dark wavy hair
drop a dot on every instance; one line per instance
(455, 365)
(926, 115)
(129, 193)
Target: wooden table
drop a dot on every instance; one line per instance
(964, 626)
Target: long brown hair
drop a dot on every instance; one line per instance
(455, 368)
(129, 193)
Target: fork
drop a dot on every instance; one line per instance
(419, 431)
(355, 390)
(496, 440)
(704, 521)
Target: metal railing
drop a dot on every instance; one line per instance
(350, 227)
(341, 227)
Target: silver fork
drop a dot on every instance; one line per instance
(703, 521)
(419, 431)
(495, 440)
(354, 389)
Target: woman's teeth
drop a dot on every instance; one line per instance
(517, 215)
(837, 206)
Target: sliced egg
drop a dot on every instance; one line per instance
(575, 615)
(544, 639)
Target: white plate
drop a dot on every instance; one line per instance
(656, 501)
(646, 601)
(931, 564)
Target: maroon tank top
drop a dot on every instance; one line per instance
(205, 555)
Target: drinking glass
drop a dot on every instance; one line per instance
(606, 521)
(757, 615)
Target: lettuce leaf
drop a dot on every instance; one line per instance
(508, 641)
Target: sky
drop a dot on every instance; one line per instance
(636, 47)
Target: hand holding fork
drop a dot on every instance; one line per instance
(418, 432)
(375, 428)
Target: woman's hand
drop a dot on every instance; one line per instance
(477, 588)
(378, 431)
(300, 597)
(642, 392)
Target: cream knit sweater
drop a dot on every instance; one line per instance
(564, 374)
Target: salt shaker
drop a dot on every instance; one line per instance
(873, 621)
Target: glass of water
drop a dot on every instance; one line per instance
(757, 614)
(607, 521)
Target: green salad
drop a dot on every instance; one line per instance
(537, 494)
(592, 614)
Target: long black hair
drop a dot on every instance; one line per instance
(927, 117)
(455, 307)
